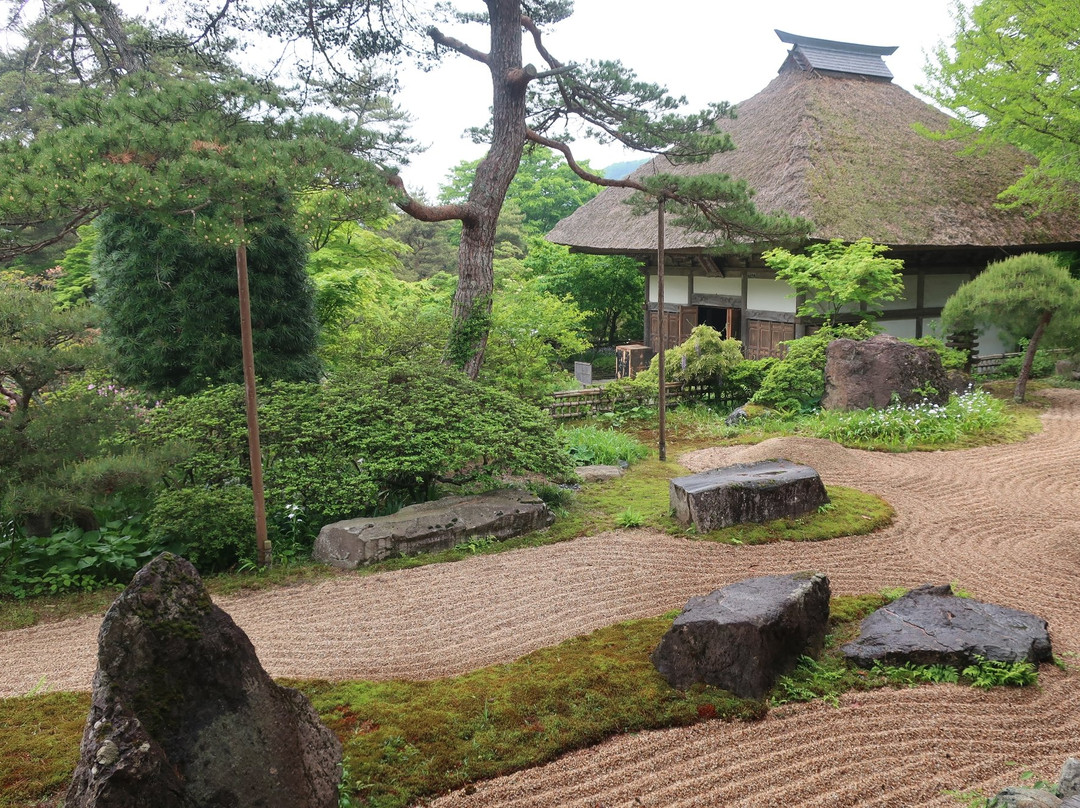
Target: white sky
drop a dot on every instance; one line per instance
(707, 50)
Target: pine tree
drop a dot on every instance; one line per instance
(171, 316)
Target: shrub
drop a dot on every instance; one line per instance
(353, 447)
(798, 380)
(744, 380)
(951, 358)
(214, 528)
(589, 444)
(1041, 368)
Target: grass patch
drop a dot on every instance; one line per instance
(590, 445)
(408, 741)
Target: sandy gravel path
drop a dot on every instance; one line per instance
(1002, 522)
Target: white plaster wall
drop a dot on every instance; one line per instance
(909, 298)
(991, 342)
(718, 286)
(676, 289)
(939, 288)
(903, 329)
(767, 294)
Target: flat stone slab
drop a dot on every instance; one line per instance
(743, 636)
(428, 526)
(931, 626)
(746, 492)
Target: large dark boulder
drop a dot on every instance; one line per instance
(428, 526)
(184, 716)
(878, 371)
(746, 492)
(931, 626)
(743, 636)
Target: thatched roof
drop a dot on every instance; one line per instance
(840, 149)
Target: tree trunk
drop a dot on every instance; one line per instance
(472, 299)
(1029, 357)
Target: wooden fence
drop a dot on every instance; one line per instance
(989, 363)
(595, 400)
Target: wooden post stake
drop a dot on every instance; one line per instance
(661, 325)
(250, 403)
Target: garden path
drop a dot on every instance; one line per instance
(1002, 522)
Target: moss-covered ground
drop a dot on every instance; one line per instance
(408, 740)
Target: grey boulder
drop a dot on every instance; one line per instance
(183, 715)
(746, 492)
(428, 526)
(931, 626)
(743, 636)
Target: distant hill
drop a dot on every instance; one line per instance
(618, 171)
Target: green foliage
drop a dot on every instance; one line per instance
(743, 380)
(836, 277)
(544, 188)
(704, 358)
(608, 288)
(951, 358)
(1042, 366)
(531, 332)
(351, 269)
(963, 416)
(216, 158)
(630, 518)
(55, 460)
(432, 247)
(987, 673)
(1015, 294)
(589, 445)
(172, 315)
(38, 345)
(212, 527)
(1028, 296)
(798, 380)
(982, 673)
(75, 284)
(74, 559)
(716, 206)
(1010, 75)
(350, 447)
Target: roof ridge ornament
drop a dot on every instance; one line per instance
(832, 56)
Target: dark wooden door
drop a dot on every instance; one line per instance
(764, 338)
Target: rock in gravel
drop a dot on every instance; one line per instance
(746, 492)
(436, 525)
(880, 370)
(1014, 797)
(931, 626)
(184, 716)
(1069, 780)
(743, 636)
(599, 474)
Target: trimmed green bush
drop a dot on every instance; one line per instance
(214, 528)
(363, 446)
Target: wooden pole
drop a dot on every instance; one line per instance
(661, 325)
(251, 404)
